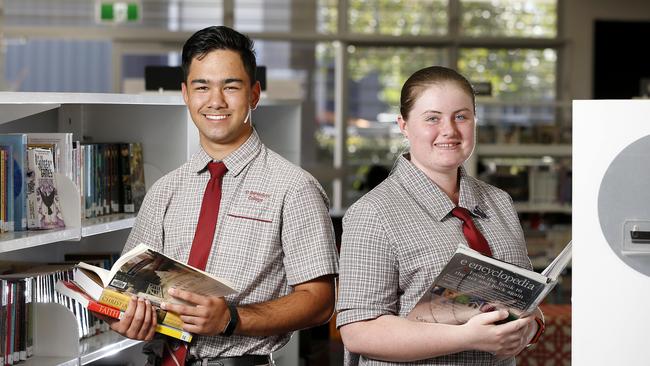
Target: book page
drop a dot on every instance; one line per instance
(560, 262)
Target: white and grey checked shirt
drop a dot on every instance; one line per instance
(397, 238)
(273, 231)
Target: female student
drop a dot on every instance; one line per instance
(398, 237)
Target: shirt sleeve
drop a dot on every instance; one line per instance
(148, 226)
(307, 235)
(368, 279)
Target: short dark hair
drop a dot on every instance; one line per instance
(219, 38)
(426, 77)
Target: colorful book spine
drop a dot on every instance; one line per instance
(18, 143)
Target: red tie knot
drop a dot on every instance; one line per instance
(462, 213)
(217, 169)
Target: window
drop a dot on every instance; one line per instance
(510, 44)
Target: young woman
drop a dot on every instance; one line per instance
(398, 237)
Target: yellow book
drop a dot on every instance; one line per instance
(174, 332)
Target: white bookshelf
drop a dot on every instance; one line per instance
(168, 136)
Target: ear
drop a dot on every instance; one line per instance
(403, 126)
(186, 97)
(256, 91)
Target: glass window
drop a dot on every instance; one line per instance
(515, 74)
(397, 18)
(327, 16)
(522, 106)
(172, 15)
(54, 65)
(275, 15)
(376, 78)
(509, 18)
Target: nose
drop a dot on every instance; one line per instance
(216, 99)
(448, 127)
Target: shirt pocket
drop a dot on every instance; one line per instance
(260, 213)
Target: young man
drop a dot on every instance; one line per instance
(273, 237)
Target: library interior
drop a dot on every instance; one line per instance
(91, 109)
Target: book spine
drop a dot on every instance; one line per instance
(136, 166)
(10, 190)
(125, 175)
(98, 308)
(3, 190)
(29, 316)
(174, 332)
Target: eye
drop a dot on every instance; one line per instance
(432, 119)
(201, 88)
(231, 88)
(461, 117)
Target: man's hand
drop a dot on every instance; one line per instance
(208, 316)
(138, 322)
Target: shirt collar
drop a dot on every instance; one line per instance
(431, 197)
(236, 161)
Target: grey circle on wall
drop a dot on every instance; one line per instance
(624, 205)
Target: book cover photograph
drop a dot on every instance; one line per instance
(43, 206)
(471, 283)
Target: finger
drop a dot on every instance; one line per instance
(177, 308)
(138, 319)
(123, 325)
(188, 296)
(492, 316)
(152, 329)
(146, 323)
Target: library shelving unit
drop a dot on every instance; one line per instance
(168, 136)
(525, 148)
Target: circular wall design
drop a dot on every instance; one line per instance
(624, 204)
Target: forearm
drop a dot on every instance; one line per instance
(391, 338)
(310, 304)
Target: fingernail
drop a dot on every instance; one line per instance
(163, 305)
(171, 290)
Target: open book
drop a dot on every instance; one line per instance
(147, 273)
(471, 283)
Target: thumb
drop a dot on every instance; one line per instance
(493, 316)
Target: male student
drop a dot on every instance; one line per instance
(273, 237)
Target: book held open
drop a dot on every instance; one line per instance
(147, 273)
(471, 283)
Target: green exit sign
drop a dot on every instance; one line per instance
(119, 12)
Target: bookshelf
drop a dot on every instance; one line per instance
(168, 136)
(525, 149)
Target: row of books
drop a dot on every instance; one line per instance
(109, 178)
(16, 321)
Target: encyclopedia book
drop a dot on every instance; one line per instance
(471, 283)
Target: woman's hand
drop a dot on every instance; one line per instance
(502, 340)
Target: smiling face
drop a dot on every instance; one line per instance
(440, 129)
(219, 96)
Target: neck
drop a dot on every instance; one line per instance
(218, 151)
(447, 181)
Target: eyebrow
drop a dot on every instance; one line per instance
(225, 81)
(438, 112)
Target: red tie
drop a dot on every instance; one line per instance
(202, 243)
(475, 239)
